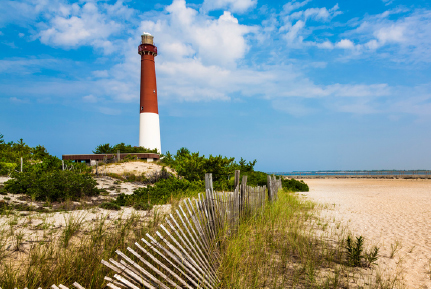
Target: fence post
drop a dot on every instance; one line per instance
(97, 168)
(62, 165)
(242, 194)
(209, 182)
(269, 185)
(237, 174)
(118, 155)
(21, 164)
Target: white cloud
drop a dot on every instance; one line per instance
(296, 28)
(203, 58)
(60, 24)
(359, 90)
(18, 100)
(372, 44)
(345, 44)
(326, 45)
(236, 6)
(392, 34)
(293, 33)
(25, 66)
(293, 5)
(100, 73)
(317, 14)
(219, 41)
(407, 37)
(77, 26)
(399, 34)
(28, 12)
(89, 98)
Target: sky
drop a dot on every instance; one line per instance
(296, 85)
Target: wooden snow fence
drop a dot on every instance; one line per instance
(184, 253)
(61, 286)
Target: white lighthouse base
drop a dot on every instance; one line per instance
(149, 131)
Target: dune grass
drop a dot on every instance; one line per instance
(76, 254)
(289, 246)
(286, 245)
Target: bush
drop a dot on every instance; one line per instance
(122, 147)
(256, 178)
(193, 167)
(11, 154)
(7, 168)
(161, 192)
(2, 190)
(142, 206)
(120, 200)
(156, 176)
(110, 206)
(294, 185)
(355, 253)
(52, 185)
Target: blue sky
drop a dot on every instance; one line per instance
(297, 85)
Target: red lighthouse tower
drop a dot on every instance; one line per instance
(149, 124)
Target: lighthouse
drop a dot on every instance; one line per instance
(149, 124)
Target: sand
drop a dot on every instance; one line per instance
(37, 226)
(137, 168)
(386, 213)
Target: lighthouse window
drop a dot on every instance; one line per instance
(142, 108)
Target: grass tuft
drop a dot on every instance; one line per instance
(289, 246)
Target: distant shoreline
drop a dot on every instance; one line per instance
(361, 174)
(407, 177)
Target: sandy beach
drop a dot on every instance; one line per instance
(388, 213)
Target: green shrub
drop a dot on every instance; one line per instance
(110, 206)
(142, 206)
(122, 147)
(355, 253)
(120, 200)
(12, 152)
(158, 175)
(52, 185)
(7, 168)
(256, 178)
(162, 191)
(5, 206)
(193, 167)
(354, 250)
(294, 185)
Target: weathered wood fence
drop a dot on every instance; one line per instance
(184, 253)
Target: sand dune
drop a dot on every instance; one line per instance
(137, 168)
(387, 213)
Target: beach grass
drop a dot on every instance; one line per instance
(289, 245)
(286, 245)
(75, 255)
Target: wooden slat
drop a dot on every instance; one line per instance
(158, 263)
(169, 261)
(177, 259)
(145, 272)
